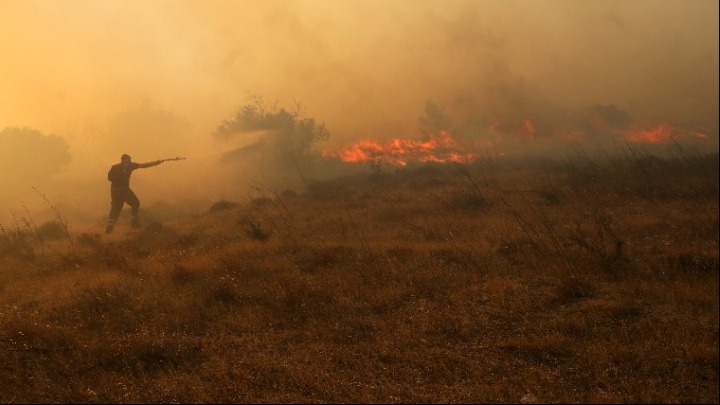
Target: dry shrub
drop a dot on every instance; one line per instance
(90, 240)
(27, 335)
(456, 327)
(550, 194)
(325, 190)
(103, 307)
(518, 250)
(548, 349)
(182, 275)
(257, 232)
(223, 205)
(447, 368)
(352, 331)
(572, 289)
(137, 354)
(188, 240)
(113, 256)
(401, 254)
(225, 292)
(432, 282)
(688, 263)
(288, 194)
(311, 259)
(51, 230)
(447, 259)
(260, 202)
(468, 199)
(299, 303)
(18, 243)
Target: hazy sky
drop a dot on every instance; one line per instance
(154, 78)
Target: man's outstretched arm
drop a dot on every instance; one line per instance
(149, 164)
(157, 162)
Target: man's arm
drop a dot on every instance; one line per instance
(149, 164)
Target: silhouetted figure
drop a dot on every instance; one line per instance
(120, 192)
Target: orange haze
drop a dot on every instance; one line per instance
(155, 78)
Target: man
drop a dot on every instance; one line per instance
(120, 192)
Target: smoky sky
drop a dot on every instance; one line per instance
(156, 78)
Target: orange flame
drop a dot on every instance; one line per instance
(656, 135)
(443, 148)
(440, 148)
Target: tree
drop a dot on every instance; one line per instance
(287, 137)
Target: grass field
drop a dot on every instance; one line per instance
(506, 281)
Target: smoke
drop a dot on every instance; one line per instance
(156, 79)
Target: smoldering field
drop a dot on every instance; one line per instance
(548, 256)
(471, 201)
(580, 280)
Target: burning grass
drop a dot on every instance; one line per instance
(579, 282)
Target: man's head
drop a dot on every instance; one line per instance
(125, 158)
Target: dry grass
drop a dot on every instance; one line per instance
(579, 282)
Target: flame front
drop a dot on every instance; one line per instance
(662, 133)
(659, 134)
(504, 136)
(440, 148)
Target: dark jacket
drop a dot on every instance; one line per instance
(119, 174)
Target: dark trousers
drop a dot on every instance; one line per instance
(118, 197)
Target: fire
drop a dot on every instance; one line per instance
(662, 133)
(501, 138)
(440, 148)
(656, 135)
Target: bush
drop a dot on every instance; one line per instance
(51, 230)
(223, 205)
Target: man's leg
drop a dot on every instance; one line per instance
(134, 203)
(116, 204)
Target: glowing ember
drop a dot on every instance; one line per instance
(529, 127)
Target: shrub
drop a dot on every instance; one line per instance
(51, 230)
(223, 205)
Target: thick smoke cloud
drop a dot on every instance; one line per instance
(156, 79)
